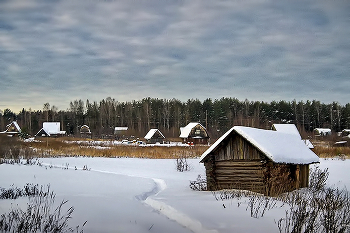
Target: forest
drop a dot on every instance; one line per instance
(168, 115)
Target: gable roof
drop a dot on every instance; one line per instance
(52, 127)
(287, 128)
(277, 146)
(185, 131)
(41, 132)
(85, 129)
(291, 129)
(16, 126)
(118, 128)
(151, 132)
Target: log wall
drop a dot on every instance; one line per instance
(236, 164)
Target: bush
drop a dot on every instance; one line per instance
(199, 185)
(317, 208)
(39, 215)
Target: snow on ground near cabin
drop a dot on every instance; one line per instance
(143, 195)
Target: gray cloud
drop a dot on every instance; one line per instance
(258, 49)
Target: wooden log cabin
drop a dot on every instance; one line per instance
(263, 161)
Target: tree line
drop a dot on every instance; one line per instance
(168, 115)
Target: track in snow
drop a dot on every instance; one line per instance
(161, 207)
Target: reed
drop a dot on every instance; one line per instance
(49, 147)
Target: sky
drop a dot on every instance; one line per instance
(261, 50)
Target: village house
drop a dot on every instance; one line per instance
(85, 131)
(12, 129)
(120, 132)
(194, 133)
(345, 133)
(51, 129)
(263, 161)
(154, 136)
(322, 131)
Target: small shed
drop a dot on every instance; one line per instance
(345, 133)
(263, 161)
(12, 129)
(154, 136)
(120, 132)
(85, 131)
(194, 133)
(51, 129)
(322, 131)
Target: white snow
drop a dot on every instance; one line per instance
(287, 128)
(52, 127)
(143, 195)
(279, 147)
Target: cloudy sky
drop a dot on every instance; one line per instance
(59, 51)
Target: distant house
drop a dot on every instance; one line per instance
(120, 132)
(194, 133)
(258, 160)
(85, 131)
(154, 136)
(51, 129)
(292, 129)
(322, 131)
(345, 133)
(12, 129)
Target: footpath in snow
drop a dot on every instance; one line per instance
(142, 195)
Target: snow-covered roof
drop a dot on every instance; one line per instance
(323, 130)
(151, 132)
(277, 146)
(85, 129)
(185, 131)
(120, 128)
(287, 128)
(15, 124)
(308, 143)
(52, 127)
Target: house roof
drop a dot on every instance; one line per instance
(185, 131)
(323, 130)
(120, 128)
(277, 146)
(151, 132)
(41, 131)
(287, 128)
(85, 129)
(291, 129)
(15, 124)
(53, 128)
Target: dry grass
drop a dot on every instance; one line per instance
(332, 152)
(58, 147)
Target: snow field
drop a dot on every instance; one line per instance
(143, 195)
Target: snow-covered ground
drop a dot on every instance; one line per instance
(143, 195)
